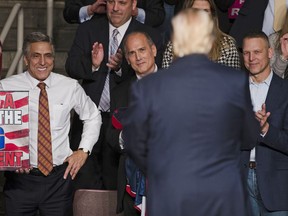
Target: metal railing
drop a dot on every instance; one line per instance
(50, 5)
(17, 61)
(18, 10)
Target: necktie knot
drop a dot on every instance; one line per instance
(41, 85)
(115, 32)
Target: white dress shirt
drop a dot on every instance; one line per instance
(141, 15)
(64, 94)
(259, 93)
(83, 14)
(122, 30)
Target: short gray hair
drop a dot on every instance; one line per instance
(34, 37)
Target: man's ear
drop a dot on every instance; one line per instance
(25, 60)
(127, 59)
(270, 52)
(154, 50)
(134, 4)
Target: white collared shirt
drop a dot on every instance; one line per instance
(64, 94)
(141, 15)
(259, 93)
(155, 70)
(122, 30)
(83, 14)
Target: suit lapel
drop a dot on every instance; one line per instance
(105, 38)
(272, 100)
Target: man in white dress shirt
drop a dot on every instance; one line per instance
(30, 190)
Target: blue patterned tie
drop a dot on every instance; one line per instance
(104, 103)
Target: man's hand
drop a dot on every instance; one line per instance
(24, 171)
(115, 61)
(284, 46)
(98, 7)
(97, 54)
(262, 117)
(75, 162)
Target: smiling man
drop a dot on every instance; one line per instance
(268, 173)
(140, 52)
(47, 185)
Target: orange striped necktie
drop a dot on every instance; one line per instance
(45, 162)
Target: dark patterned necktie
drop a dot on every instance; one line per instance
(105, 97)
(45, 163)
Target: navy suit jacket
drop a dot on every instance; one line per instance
(272, 150)
(184, 128)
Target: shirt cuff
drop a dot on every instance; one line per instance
(119, 72)
(95, 68)
(83, 14)
(121, 141)
(141, 15)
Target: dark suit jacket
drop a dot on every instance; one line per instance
(79, 64)
(72, 8)
(272, 150)
(250, 19)
(185, 128)
(154, 10)
(119, 99)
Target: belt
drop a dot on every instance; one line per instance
(37, 172)
(105, 114)
(252, 165)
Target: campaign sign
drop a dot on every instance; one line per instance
(233, 11)
(14, 130)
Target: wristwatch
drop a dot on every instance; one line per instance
(84, 150)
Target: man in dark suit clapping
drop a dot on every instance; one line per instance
(91, 59)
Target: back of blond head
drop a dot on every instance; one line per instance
(192, 32)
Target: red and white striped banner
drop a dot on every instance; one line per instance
(14, 130)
